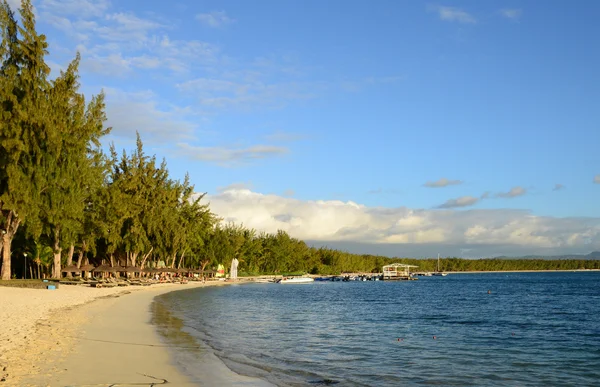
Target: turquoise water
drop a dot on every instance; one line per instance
(535, 329)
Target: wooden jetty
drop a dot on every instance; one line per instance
(397, 272)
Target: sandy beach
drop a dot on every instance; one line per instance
(77, 336)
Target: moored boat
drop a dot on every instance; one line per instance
(297, 280)
(439, 273)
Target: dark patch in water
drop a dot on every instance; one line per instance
(324, 382)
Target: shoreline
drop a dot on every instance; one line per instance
(524, 271)
(83, 336)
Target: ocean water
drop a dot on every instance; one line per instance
(530, 329)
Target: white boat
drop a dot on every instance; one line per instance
(297, 280)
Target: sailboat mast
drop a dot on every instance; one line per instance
(438, 265)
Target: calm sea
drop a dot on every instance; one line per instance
(538, 329)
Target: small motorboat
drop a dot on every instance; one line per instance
(297, 280)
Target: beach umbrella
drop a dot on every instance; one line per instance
(132, 269)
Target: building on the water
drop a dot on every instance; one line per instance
(397, 271)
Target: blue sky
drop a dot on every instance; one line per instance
(448, 115)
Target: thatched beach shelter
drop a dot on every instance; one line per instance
(70, 270)
(105, 269)
(130, 270)
(87, 267)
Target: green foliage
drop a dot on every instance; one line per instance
(23, 122)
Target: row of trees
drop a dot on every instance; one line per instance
(63, 201)
(57, 187)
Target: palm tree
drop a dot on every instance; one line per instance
(44, 257)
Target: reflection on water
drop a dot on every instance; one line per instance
(171, 329)
(192, 355)
(186, 351)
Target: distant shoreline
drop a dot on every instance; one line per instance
(521, 271)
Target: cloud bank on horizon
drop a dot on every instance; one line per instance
(502, 231)
(292, 100)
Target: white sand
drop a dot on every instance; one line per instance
(24, 311)
(46, 341)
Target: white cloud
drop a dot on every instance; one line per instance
(219, 93)
(14, 5)
(453, 14)
(463, 201)
(443, 182)
(79, 8)
(351, 222)
(597, 179)
(126, 27)
(511, 13)
(118, 43)
(513, 193)
(229, 156)
(214, 19)
(235, 186)
(128, 112)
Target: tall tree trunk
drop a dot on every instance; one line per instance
(204, 263)
(56, 270)
(6, 242)
(70, 256)
(181, 260)
(146, 257)
(80, 254)
(133, 258)
(112, 263)
(173, 258)
(1, 244)
(31, 271)
(12, 224)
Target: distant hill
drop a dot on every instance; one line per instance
(592, 255)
